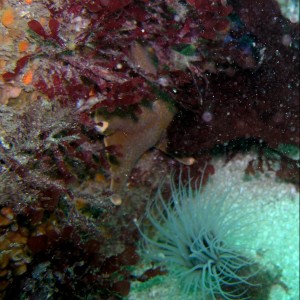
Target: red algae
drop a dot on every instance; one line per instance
(102, 99)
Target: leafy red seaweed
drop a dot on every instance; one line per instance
(37, 28)
(93, 5)
(19, 66)
(114, 5)
(54, 27)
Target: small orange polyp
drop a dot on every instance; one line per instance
(27, 78)
(28, 1)
(23, 46)
(92, 92)
(43, 21)
(8, 18)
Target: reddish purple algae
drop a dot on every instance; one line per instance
(94, 72)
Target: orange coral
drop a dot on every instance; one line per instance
(28, 76)
(7, 18)
(23, 46)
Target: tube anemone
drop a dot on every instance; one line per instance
(193, 239)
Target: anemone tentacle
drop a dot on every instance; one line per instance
(192, 231)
